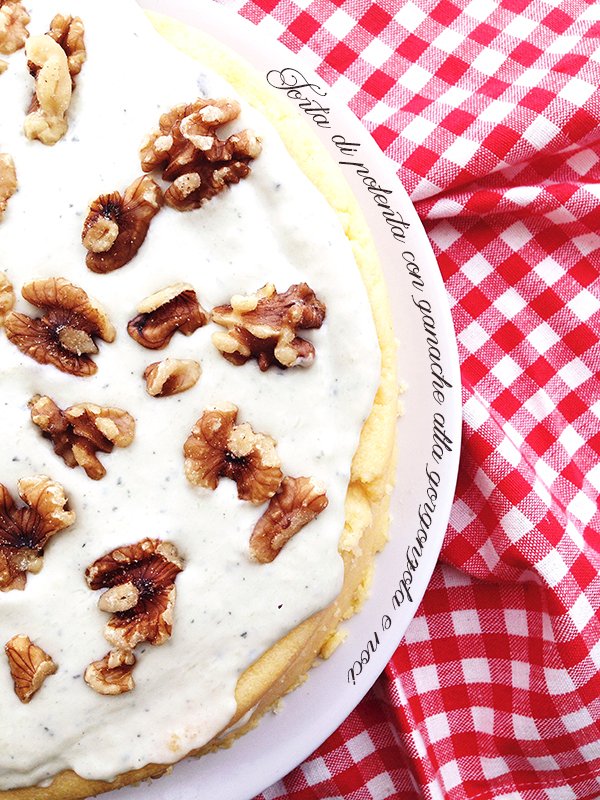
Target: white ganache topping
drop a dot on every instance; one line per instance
(272, 226)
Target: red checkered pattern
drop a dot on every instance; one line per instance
(491, 108)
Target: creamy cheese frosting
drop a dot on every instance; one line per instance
(273, 226)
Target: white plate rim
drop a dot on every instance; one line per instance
(291, 736)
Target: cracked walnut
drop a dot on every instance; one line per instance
(25, 531)
(297, 502)
(175, 308)
(48, 64)
(171, 376)
(116, 225)
(54, 60)
(140, 583)
(82, 430)
(188, 151)
(113, 674)
(264, 326)
(29, 666)
(217, 448)
(64, 335)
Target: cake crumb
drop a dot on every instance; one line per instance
(332, 643)
(278, 706)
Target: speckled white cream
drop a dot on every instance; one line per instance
(272, 227)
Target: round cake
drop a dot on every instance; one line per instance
(198, 398)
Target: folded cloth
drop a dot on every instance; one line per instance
(491, 109)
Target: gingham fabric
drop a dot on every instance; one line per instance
(491, 109)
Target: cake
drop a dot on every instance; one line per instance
(198, 398)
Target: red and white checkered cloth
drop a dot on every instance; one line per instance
(491, 109)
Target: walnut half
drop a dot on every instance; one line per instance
(29, 666)
(113, 674)
(264, 326)
(217, 448)
(116, 225)
(13, 26)
(25, 531)
(64, 336)
(82, 430)
(187, 149)
(175, 308)
(8, 181)
(298, 502)
(48, 63)
(140, 579)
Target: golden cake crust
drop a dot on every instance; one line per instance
(285, 665)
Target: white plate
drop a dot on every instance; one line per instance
(315, 710)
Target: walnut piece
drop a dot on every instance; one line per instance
(48, 63)
(171, 376)
(113, 674)
(69, 33)
(297, 502)
(64, 336)
(116, 225)
(25, 531)
(8, 181)
(187, 149)
(175, 308)
(3, 66)
(29, 666)
(13, 26)
(218, 448)
(7, 297)
(140, 579)
(264, 326)
(82, 430)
